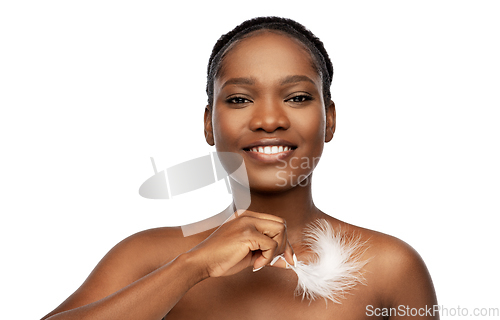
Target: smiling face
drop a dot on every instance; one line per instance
(268, 107)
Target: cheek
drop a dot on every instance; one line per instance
(226, 128)
(311, 125)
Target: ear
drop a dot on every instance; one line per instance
(209, 133)
(330, 121)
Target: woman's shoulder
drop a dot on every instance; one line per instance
(385, 250)
(158, 245)
(129, 260)
(393, 265)
(134, 257)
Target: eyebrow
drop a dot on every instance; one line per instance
(295, 79)
(284, 81)
(239, 81)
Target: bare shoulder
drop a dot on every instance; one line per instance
(396, 272)
(129, 260)
(385, 249)
(388, 252)
(145, 251)
(160, 245)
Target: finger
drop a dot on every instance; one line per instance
(270, 228)
(277, 227)
(289, 255)
(279, 262)
(280, 235)
(277, 232)
(274, 228)
(267, 247)
(285, 259)
(259, 215)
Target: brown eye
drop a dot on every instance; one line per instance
(237, 100)
(300, 98)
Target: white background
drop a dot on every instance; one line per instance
(90, 90)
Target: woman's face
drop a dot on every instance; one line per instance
(268, 107)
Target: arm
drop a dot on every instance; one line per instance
(108, 293)
(126, 284)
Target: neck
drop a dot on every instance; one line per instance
(295, 205)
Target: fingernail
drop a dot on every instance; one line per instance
(294, 260)
(255, 270)
(274, 260)
(288, 266)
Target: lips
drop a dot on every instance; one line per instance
(270, 149)
(270, 142)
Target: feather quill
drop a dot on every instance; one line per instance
(336, 264)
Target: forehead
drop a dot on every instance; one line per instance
(267, 56)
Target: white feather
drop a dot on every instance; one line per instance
(336, 264)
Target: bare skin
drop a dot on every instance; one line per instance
(267, 90)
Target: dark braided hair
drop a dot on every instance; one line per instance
(289, 27)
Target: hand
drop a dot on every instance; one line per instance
(251, 239)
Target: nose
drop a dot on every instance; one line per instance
(269, 116)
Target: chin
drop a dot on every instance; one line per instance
(277, 183)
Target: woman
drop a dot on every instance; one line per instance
(269, 102)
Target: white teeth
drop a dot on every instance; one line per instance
(270, 149)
